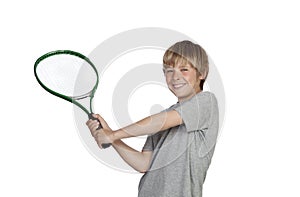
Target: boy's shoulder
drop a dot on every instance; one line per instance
(203, 95)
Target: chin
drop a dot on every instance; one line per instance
(181, 96)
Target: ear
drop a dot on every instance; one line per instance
(201, 76)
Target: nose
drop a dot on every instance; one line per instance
(176, 75)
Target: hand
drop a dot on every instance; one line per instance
(102, 136)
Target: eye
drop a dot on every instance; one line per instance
(184, 70)
(169, 70)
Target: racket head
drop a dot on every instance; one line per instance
(58, 73)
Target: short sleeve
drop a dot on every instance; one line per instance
(196, 112)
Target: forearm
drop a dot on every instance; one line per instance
(149, 125)
(140, 160)
(137, 160)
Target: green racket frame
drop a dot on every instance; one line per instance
(69, 98)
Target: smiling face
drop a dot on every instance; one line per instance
(186, 67)
(183, 80)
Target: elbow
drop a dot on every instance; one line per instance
(143, 164)
(143, 169)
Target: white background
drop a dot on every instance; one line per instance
(254, 44)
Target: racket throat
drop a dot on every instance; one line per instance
(82, 96)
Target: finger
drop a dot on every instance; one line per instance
(88, 122)
(94, 120)
(95, 133)
(92, 123)
(98, 139)
(95, 126)
(96, 115)
(102, 121)
(99, 144)
(92, 127)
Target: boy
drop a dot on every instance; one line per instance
(181, 139)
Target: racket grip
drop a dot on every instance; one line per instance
(99, 127)
(106, 145)
(91, 117)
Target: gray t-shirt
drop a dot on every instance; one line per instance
(181, 155)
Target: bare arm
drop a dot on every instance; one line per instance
(150, 125)
(139, 161)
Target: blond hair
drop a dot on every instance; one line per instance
(187, 52)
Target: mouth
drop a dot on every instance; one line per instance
(178, 86)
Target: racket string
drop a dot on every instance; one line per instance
(67, 75)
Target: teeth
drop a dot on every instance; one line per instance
(178, 85)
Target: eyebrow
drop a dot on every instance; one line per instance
(185, 66)
(181, 66)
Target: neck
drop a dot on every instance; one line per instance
(187, 98)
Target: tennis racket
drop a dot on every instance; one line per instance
(71, 76)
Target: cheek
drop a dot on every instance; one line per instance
(186, 75)
(168, 79)
(190, 77)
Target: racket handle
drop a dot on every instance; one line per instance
(106, 145)
(91, 117)
(99, 127)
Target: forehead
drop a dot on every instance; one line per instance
(182, 65)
